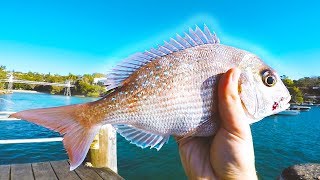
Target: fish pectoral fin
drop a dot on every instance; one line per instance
(141, 138)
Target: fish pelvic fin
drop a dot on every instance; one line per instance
(77, 135)
(141, 138)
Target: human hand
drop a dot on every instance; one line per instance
(229, 154)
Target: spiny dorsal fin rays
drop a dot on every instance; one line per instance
(183, 42)
(217, 40)
(170, 46)
(201, 35)
(164, 49)
(148, 53)
(191, 39)
(213, 39)
(157, 52)
(208, 35)
(119, 76)
(144, 57)
(176, 44)
(121, 70)
(195, 37)
(125, 69)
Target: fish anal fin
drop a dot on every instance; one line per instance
(76, 137)
(142, 138)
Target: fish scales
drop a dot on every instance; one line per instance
(170, 90)
(181, 89)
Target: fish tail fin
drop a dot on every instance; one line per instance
(77, 133)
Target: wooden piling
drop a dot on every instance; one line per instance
(103, 150)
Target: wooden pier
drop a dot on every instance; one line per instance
(102, 156)
(55, 170)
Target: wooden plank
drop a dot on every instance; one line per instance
(43, 171)
(5, 172)
(55, 170)
(62, 170)
(87, 173)
(21, 172)
(107, 174)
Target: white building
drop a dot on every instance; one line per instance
(103, 80)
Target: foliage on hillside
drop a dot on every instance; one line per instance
(302, 89)
(3, 75)
(84, 85)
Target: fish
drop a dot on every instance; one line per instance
(165, 91)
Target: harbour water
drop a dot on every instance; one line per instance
(279, 141)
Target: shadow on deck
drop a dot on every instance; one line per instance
(54, 170)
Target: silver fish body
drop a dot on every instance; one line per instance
(171, 90)
(175, 94)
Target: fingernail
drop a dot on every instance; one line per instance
(236, 75)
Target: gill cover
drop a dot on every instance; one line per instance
(248, 95)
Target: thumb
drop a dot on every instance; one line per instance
(233, 117)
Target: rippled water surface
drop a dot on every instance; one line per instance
(279, 141)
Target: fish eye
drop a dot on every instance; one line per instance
(268, 78)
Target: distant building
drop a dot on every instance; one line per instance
(102, 80)
(312, 97)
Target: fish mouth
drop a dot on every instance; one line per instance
(281, 105)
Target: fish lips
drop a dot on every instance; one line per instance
(282, 105)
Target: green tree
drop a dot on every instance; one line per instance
(3, 75)
(296, 94)
(56, 90)
(288, 82)
(98, 75)
(83, 85)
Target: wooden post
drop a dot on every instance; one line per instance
(103, 150)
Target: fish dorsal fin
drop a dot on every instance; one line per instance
(194, 38)
(140, 137)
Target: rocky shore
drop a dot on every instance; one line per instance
(21, 91)
(301, 171)
(5, 92)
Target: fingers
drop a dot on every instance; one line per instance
(230, 108)
(194, 155)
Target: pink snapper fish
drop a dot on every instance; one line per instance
(170, 90)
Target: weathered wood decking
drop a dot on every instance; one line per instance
(54, 170)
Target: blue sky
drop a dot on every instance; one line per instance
(91, 36)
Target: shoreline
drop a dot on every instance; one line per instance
(5, 92)
(19, 91)
(27, 91)
(37, 92)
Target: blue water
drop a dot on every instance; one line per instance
(279, 141)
